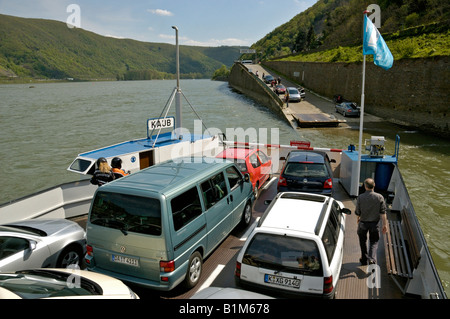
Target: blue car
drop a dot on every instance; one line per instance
(348, 109)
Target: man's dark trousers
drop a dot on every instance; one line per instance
(374, 237)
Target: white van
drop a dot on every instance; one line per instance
(297, 247)
(155, 227)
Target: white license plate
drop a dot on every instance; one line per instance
(125, 260)
(282, 281)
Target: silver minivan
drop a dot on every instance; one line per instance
(155, 227)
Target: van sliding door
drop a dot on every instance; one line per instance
(218, 209)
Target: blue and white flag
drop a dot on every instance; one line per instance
(373, 43)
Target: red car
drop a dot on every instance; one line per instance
(280, 89)
(252, 161)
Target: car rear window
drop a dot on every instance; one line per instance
(291, 254)
(305, 170)
(127, 213)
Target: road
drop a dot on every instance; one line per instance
(312, 104)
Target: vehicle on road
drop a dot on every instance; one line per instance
(280, 89)
(155, 227)
(268, 78)
(297, 247)
(348, 109)
(302, 92)
(48, 283)
(294, 94)
(307, 171)
(39, 243)
(250, 161)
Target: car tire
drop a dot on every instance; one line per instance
(194, 271)
(246, 215)
(256, 190)
(71, 255)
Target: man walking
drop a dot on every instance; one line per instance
(370, 208)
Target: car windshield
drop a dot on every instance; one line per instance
(305, 170)
(293, 91)
(47, 285)
(296, 255)
(240, 163)
(127, 213)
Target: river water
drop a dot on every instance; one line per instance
(44, 126)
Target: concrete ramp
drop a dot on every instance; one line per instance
(316, 120)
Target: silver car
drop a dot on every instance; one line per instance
(62, 284)
(348, 109)
(41, 243)
(294, 94)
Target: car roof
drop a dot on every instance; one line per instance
(235, 152)
(168, 176)
(292, 211)
(306, 156)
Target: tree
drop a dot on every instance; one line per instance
(300, 41)
(311, 38)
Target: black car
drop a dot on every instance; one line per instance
(268, 79)
(307, 171)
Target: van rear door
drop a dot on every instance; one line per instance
(125, 232)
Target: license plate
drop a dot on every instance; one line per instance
(282, 281)
(125, 260)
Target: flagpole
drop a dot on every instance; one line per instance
(361, 120)
(361, 124)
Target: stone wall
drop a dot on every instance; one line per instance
(247, 83)
(413, 92)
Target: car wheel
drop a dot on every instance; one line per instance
(71, 255)
(194, 270)
(256, 190)
(247, 215)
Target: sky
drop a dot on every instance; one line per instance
(200, 22)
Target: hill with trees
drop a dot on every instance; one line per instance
(47, 49)
(333, 25)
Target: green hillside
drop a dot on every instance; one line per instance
(334, 25)
(38, 48)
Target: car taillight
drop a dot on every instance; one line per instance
(237, 271)
(327, 285)
(89, 250)
(328, 183)
(282, 181)
(167, 266)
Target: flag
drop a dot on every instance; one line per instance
(373, 43)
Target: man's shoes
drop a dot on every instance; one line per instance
(363, 261)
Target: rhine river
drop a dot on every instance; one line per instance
(43, 127)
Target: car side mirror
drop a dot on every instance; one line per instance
(282, 158)
(346, 211)
(332, 160)
(32, 245)
(247, 177)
